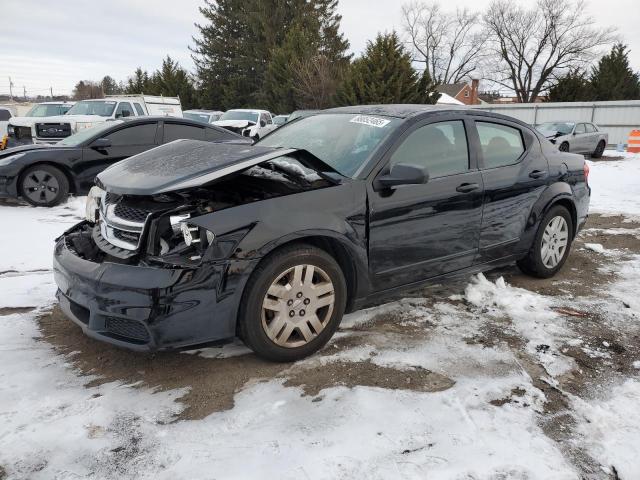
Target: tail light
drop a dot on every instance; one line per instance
(586, 173)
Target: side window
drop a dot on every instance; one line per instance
(580, 128)
(124, 110)
(215, 135)
(64, 109)
(590, 128)
(4, 115)
(135, 135)
(501, 145)
(139, 109)
(175, 131)
(268, 119)
(441, 147)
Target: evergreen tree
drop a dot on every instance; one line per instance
(171, 80)
(572, 87)
(109, 86)
(235, 48)
(384, 75)
(138, 83)
(613, 78)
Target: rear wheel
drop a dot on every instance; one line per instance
(564, 147)
(551, 245)
(44, 186)
(599, 150)
(292, 304)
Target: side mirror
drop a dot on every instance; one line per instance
(263, 123)
(402, 174)
(100, 143)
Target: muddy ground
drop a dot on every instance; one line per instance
(212, 382)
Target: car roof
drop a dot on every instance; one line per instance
(201, 110)
(155, 118)
(247, 110)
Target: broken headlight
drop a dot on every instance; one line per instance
(179, 241)
(94, 200)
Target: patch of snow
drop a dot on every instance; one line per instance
(595, 247)
(228, 350)
(636, 364)
(614, 186)
(609, 428)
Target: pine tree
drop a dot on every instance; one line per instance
(171, 80)
(138, 83)
(613, 79)
(235, 48)
(109, 86)
(572, 87)
(384, 75)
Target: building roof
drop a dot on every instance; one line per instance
(448, 100)
(451, 89)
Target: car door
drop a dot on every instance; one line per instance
(591, 138)
(421, 231)
(514, 174)
(124, 142)
(580, 141)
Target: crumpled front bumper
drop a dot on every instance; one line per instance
(148, 308)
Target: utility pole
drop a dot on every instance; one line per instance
(24, 92)
(51, 91)
(10, 89)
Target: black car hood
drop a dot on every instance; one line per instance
(27, 148)
(181, 165)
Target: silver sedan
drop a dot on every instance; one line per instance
(584, 137)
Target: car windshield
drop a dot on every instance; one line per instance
(77, 138)
(238, 115)
(47, 110)
(561, 127)
(103, 108)
(343, 141)
(198, 117)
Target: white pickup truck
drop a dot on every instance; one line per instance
(88, 113)
(247, 122)
(19, 129)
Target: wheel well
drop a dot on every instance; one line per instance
(340, 253)
(67, 173)
(568, 204)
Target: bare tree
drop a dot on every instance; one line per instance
(531, 46)
(317, 80)
(450, 45)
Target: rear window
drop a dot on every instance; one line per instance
(176, 131)
(501, 145)
(138, 108)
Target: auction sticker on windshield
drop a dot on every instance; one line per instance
(371, 121)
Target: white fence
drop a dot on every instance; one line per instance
(616, 118)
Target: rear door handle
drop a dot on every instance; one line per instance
(538, 174)
(467, 187)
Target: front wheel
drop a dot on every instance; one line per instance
(551, 245)
(564, 147)
(293, 303)
(599, 150)
(44, 186)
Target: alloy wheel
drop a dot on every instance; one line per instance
(554, 242)
(298, 306)
(40, 186)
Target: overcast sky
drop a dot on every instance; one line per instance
(54, 44)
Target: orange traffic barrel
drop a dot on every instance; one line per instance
(634, 142)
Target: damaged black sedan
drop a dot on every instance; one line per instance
(197, 242)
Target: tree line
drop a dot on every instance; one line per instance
(285, 55)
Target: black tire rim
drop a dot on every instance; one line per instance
(564, 147)
(40, 186)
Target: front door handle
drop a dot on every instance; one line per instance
(467, 187)
(538, 174)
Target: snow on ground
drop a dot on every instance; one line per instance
(615, 185)
(485, 424)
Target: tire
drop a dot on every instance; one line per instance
(277, 333)
(564, 147)
(599, 150)
(537, 263)
(43, 186)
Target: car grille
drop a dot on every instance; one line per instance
(131, 214)
(53, 130)
(129, 329)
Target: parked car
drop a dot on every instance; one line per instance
(584, 137)
(280, 120)
(5, 116)
(275, 241)
(44, 175)
(88, 113)
(205, 116)
(247, 122)
(20, 129)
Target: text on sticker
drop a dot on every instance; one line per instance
(371, 121)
